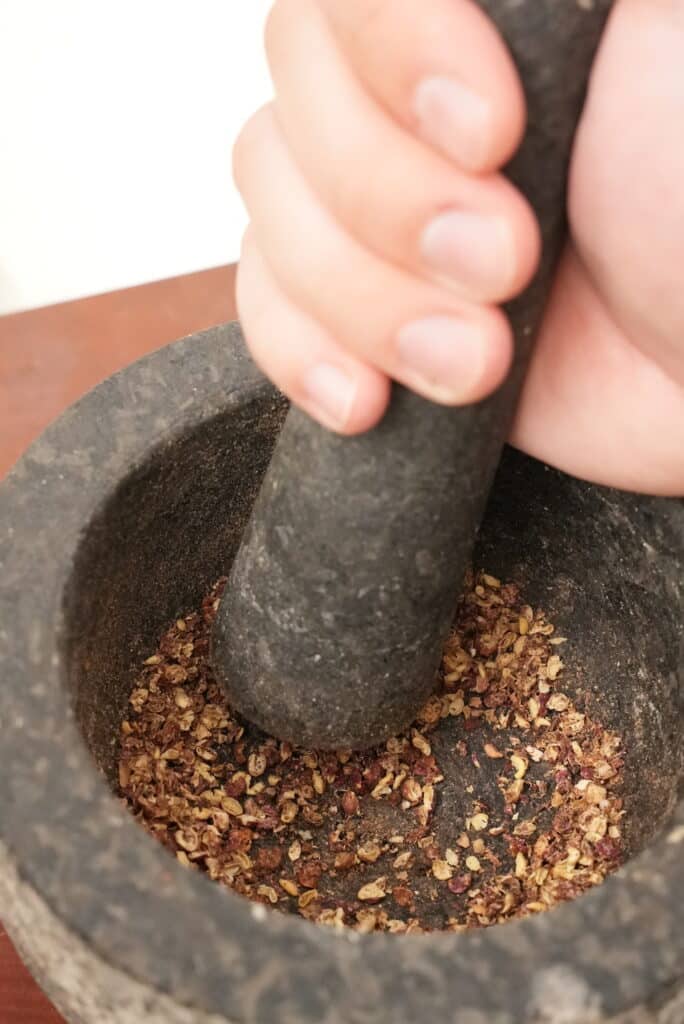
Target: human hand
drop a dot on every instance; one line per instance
(383, 234)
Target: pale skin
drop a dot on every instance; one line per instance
(383, 235)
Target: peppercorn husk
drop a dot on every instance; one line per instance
(502, 800)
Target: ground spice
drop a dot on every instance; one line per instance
(502, 800)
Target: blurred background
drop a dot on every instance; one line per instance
(116, 126)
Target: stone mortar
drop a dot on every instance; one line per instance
(116, 521)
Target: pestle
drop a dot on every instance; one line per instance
(343, 591)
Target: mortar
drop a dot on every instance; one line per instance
(116, 521)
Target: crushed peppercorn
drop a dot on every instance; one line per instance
(502, 800)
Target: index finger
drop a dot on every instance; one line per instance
(435, 66)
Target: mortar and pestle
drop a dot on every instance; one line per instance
(127, 509)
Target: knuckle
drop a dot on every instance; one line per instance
(248, 288)
(492, 322)
(254, 336)
(359, 16)
(496, 325)
(377, 14)
(248, 143)
(258, 353)
(271, 28)
(281, 13)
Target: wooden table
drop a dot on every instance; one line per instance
(48, 358)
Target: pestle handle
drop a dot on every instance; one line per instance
(344, 589)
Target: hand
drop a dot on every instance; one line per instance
(383, 235)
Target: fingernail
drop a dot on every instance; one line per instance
(331, 394)
(454, 119)
(443, 358)
(470, 249)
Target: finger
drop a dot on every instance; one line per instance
(301, 358)
(415, 332)
(453, 80)
(594, 405)
(394, 194)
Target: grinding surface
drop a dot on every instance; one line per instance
(346, 584)
(82, 515)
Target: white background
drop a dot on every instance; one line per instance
(117, 119)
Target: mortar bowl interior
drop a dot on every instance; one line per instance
(594, 559)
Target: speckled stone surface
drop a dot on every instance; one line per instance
(113, 523)
(82, 985)
(346, 584)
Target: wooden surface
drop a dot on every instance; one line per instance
(48, 358)
(51, 356)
